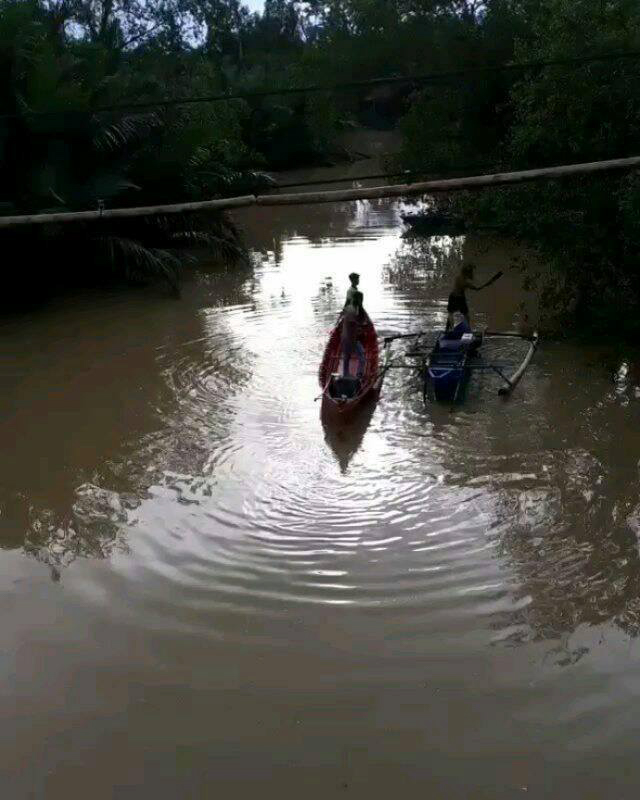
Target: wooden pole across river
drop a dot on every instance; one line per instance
(336, 195)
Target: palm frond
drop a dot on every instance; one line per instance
(139, 262)
(224, 248)
(103, 185)
(201, 156)
(129, 130)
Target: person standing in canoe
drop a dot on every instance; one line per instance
(353, 290)
(351, 318)
(458, 297)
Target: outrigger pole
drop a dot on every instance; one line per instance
(388, 339)
(514, 380)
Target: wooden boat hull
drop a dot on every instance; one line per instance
(341, 400)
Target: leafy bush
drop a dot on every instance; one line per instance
(59, 154)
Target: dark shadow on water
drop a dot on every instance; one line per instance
(345, 436)
(101, 395)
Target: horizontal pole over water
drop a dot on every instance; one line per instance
(120, 213)
(338, 195)
(450, 184)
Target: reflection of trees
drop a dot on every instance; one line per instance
(320, 224)
(93, 528)
(558, 471)
(422, 257)
(423, 269)
(576, 561)
(564, 478)
(425, 262)
(421, 272)
(100, 399)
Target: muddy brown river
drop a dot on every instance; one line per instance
(207, 592)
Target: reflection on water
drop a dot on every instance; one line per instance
(344, 436)
(236, 577)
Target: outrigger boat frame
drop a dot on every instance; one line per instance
(515, 378)
(462, 365)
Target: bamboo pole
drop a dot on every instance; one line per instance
(340, 195)
(449, 185)
(120, 213)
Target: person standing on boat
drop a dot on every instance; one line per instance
(458, 297)
(351, 317)
(353, 290)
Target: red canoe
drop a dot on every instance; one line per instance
(342, 394)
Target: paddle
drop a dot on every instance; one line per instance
(491, 280)
(324, 389)
(388, 339)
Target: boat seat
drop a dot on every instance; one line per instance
(344, 385)
(450, 344)
(453, 342)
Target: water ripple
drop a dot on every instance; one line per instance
(250, 502)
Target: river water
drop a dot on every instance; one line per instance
(206, 589)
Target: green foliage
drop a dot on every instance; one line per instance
(60, 60)
(586, 230)
(459, 123)
(59, 156)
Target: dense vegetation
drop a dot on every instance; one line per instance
(587, 230)
(66, 63)
(67, 68)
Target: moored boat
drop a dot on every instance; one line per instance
(447, 368)
(456, 356)
(343, 393)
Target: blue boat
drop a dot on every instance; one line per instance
(447, 368)
(455, 356)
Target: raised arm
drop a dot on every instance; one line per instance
(470, 285)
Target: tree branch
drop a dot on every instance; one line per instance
(140, 35)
